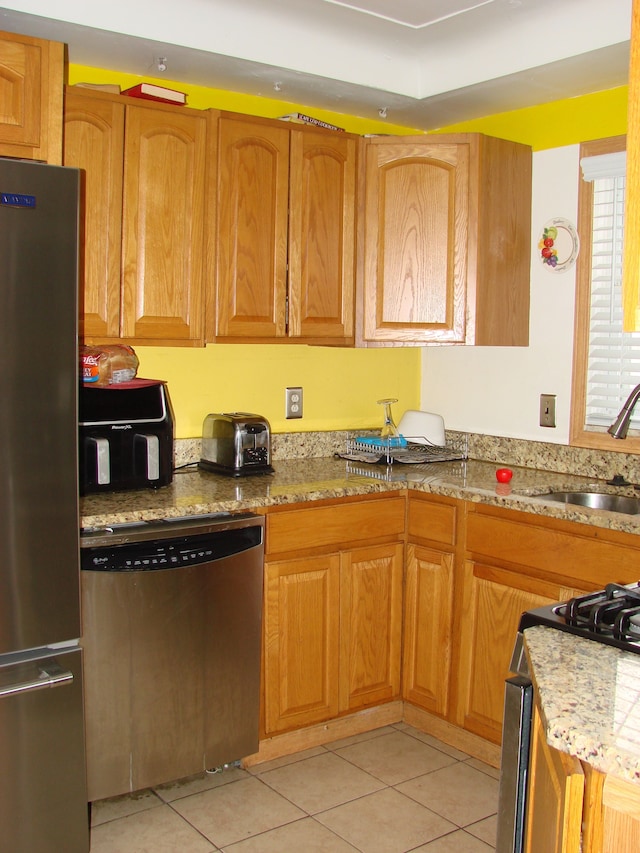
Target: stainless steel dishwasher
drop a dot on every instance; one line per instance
(171, 631)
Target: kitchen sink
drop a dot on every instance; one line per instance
(598, 500)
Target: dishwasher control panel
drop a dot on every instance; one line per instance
(121, 559)
(170, 547)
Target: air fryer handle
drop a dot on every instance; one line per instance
(151, 455)
(102, 460)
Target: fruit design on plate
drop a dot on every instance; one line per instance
(546, 246)
(558, 245)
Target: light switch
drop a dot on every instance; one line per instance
(547, 410)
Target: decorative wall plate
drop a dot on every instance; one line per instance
(559, 245)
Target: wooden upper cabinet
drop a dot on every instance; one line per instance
(285, 234)
(163, 225)
(631, 261)
(416, 235)
(322, 235)
(93, 142)
(446, 237)
(31, 84)
(251, 240)
(144, 247)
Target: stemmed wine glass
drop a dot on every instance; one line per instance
(389, 429)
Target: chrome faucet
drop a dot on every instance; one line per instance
(620, 426)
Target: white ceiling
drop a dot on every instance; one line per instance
(427, 63)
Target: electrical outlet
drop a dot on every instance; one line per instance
(547, 410)
(293, 402)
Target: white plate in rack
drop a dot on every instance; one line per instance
(422, 427)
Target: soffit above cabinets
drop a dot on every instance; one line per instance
(427, 63)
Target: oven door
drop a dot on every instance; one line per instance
(514, 768)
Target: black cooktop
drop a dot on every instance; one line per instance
(610, 616)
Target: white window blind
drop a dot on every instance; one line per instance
(614, 355)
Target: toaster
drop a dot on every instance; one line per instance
(237, 444)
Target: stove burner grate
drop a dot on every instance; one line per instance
(614, 611)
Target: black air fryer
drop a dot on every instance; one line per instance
(126, 436)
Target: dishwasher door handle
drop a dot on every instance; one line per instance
(51, 675)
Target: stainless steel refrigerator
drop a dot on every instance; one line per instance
(43, 804)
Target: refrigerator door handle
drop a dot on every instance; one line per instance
(51, 675)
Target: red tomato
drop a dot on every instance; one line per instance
(503, 475)
(548, 242)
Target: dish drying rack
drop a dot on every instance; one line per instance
(412, 450)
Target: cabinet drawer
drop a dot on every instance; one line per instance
(335, 525)
(581, 554)
(432, 520)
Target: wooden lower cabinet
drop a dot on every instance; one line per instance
(336, 612)
(427, 629)
(619, 818)
(429, 595)
(333, 613)
(572, 808)
(511, 562)
(555, 797)
(492, 601)
(302, 633)
(371, 625)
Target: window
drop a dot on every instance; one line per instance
(606, 363)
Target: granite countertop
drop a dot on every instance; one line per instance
(590, 699)
(194, 492)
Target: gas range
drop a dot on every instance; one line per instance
(610, 616)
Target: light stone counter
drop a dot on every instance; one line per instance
(590, 699)
(302, 479)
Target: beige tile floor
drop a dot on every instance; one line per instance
(392, 790)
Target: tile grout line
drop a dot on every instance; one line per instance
(332, 749)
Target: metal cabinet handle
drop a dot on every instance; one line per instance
(52, 676)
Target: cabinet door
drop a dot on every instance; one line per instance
(253, 176)
(555, 796)
(322, 235)
(427, 629)
(302, 623)
(93, 141)
(416, 228)
(371, 625)
(163, 226)
(620, 817)
(493, 601)
(31, 82)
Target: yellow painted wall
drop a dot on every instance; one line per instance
(556, 124)
(341, 386)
